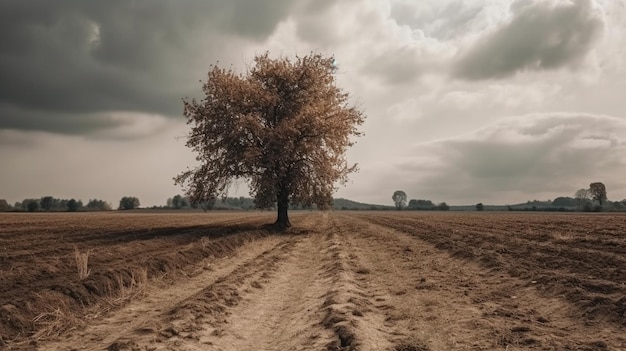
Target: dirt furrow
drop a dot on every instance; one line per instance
(266, 302)
(390, 270)
(449, 303)
(336, 281)
(282, 307)
(593, 283)
(148, 316)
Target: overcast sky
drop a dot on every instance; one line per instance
(467, 101)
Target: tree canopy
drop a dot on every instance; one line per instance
(283, 126)
(421, 204)
(129, 203)
(73, 205)
(399, 198)
(597, 191)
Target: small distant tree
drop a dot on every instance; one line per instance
(176, 202)
(421, 205)
(47, 203)
(480, 206)
(598, 192)
(73, 205)
(284, 126)
(31, 205)
(443, 207)
(98, 205)
(4, 205)
(128, 203)
(399, 198)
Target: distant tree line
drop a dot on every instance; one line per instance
(52, 204)
(179, 202)
(592, 199)
(400, 199)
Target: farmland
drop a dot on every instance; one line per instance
(336, 281)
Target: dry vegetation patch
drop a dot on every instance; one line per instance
(59, 270)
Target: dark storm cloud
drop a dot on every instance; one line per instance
(541, 35)
(56, 122)
(62, 62)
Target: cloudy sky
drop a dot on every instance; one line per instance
(467, 101)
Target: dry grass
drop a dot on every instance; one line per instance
(205, 242)
(128, 290)
(58, 317)
(82, 263)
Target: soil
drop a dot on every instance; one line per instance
(334, 281)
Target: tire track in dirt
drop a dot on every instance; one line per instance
(407, 277)
(148, 315)
(354, 309)
(273, 300)
(303, 297)
(282, 307)
(592, 282)
(449, 303)
(343, 282)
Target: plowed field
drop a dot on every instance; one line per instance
(336, 281)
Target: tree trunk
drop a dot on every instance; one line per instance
(282, 222)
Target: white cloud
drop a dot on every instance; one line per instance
(405, 111)
(528, 155)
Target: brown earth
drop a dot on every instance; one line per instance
(336, 281)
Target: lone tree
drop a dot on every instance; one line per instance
(73, 205)
(598, 192)
(399, 198)
(128, 203)
(283, 126)
(4, 205)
